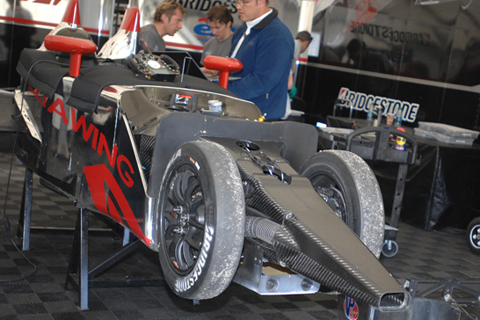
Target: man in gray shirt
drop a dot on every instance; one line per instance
(167, 21)
(220, 22)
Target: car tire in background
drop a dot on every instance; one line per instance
(348, 185)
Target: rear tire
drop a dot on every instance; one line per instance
(348, 185)
(201, 220)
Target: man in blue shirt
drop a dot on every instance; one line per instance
(264, 45)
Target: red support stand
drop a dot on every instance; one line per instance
(76, 47)
(224, 65)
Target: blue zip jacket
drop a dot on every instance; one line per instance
(266, 55)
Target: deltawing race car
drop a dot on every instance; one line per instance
(196, 175)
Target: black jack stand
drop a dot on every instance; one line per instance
(24, 221)
(81, 279)
(78, 275)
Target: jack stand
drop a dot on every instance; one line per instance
(78, 274)
(24, 220)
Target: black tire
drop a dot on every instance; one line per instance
(473, 235)
(201, 220)
(348, 185)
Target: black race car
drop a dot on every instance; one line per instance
(195, 174)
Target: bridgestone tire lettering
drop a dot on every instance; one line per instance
(201, 220)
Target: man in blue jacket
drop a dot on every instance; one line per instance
(264, 45)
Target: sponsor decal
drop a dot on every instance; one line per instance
(392, 35)
(361, 101)
(350, 307)
(205, 5)
(364, 13)
(98, 140)
(197, 165)
(400, 143)
(184, 284)
(100, 176)
(202, 31)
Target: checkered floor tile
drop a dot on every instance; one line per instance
(435, 256)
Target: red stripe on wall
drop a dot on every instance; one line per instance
(185, 46)
(46, 24)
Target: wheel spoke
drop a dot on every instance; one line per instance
(194, 238)
(332, 196)
(196, 203)
(189, 192)
(172, 247)
(185, 184)
(184, 219)
(179, 253)
(169, 230)
(188, 258)
(178, 257)
(172, 200)
(182, 257)
(170, 219)
(196, 224)
(177, 188)
(180, 185)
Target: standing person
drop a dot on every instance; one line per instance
(264, 45)
(167, 21)
(365, 59)
(220, 21)
(302, 40)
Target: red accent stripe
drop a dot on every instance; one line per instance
(47, 24)
(95, 31)
(72, 13)
(131, 20)
(186, 46)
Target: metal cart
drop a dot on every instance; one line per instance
(379, 144)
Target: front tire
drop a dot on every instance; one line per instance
(350, 188)
(202, 220)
